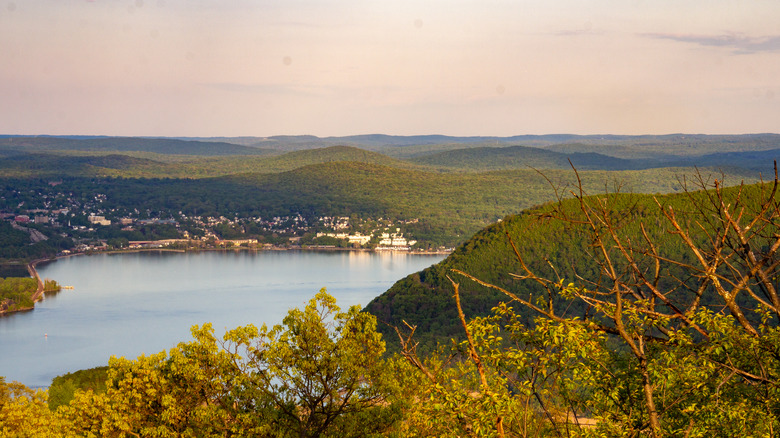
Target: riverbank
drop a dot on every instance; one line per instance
(316, 248)
(197, 245)
(38, 295)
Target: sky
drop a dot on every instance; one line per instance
(399, 67)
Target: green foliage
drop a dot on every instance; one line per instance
(16, 293)
(449, 207)
(63, 388)
(535, 378)
(24, 414)
(685, 322)
(321, 370)
(551, 247)
(319, 373)
(134, 164)
(14, 269)
(125, 144)
(16, 244)
(481, 159)
(51, 286)
(568, 378)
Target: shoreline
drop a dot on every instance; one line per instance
(39, 293)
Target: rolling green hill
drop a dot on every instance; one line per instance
(620, 146)
(453, 205)
(517, 157)
(154, 165)
(126, 144)
(480, 159)
(549, 246)
(761, 160)
(452, 193)
(198, 158)
(450, 206)
(681, 145)
(21, 165)
(145, 164)
(297, 159)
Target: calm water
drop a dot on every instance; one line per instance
(143, 303)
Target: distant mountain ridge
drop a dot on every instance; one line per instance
(617, 146)
(687, 143)
(126, 144)
(194, 158)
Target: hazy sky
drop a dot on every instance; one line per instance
(343, 67)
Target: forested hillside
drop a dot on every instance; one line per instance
(197, 158)
(17, 244)
(158, 165)
(444, 190)
(515, 157)
(552, 248)
(448, 207)
(125, 144)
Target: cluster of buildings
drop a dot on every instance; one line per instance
(385, 240)
(86, 219)
(37, 216)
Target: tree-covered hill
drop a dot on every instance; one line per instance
(20, 165)
(484, 159)
(156, 165)
(594, 157)
(297, 159)
(126, 144)
(760, 160)
(448, 207)
(197, 158)
(555, 248)
(517, 157)
(621, 146)
(681, 145)
(16, 244)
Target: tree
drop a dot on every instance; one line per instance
(24, 413)
(505, 379)
(319, 373)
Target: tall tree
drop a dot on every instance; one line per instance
(319, 373)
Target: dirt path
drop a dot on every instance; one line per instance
(38, 295)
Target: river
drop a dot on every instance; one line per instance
(143, 303)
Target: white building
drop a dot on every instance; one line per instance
(395, 240)
(358, 238)
(99, 220)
